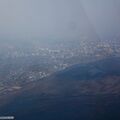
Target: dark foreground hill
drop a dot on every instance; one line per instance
(81, 92)
(96, 70)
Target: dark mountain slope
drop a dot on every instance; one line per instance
(96, 70)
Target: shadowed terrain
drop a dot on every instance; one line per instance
(86, 91)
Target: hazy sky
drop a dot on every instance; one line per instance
(104, 15)
(30, 19)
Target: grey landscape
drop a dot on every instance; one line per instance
(60, 59)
